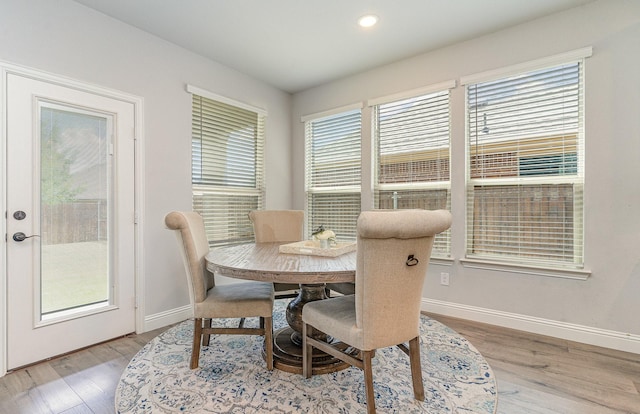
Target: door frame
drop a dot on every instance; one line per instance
(137, 102)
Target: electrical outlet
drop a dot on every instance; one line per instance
(444, 279)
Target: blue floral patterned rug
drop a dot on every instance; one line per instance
(232, 378)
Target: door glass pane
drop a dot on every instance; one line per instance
(75, 205)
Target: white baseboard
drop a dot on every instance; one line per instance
(572, 332)
(166, 318)
(579, 333)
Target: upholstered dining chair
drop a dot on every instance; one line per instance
(209, 301)
(393, 253)
(284, 226)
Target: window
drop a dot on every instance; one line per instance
(227, 166)
(411, 139)
(333, 172)
(525, 168)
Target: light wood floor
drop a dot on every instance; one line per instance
(543, 375)
(535, 374)
(80, 382)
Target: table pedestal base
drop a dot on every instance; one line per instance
(287, 347)
(287, 356)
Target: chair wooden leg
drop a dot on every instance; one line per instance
(307, 351)
(206, 337)
(197, 338)
(416, 368)
(268, 340)
(368, 381)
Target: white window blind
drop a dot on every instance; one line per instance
(227, 168)
(412, 157)
(525, 168)
(333, 172)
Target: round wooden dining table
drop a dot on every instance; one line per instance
(264, 262)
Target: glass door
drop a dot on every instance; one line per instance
(70, 199)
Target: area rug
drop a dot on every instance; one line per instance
(232, 378)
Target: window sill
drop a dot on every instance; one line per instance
(576, 274)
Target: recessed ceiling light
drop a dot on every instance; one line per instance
(368, 20)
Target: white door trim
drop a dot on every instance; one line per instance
(8, 68)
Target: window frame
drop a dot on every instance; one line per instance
(350, 191)
(575, 268)
(442, 243)
(246, 187)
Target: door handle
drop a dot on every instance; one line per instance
(20, 236)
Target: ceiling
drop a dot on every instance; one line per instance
(298, 44)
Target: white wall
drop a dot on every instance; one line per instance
(68, 39)
(609, 300)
